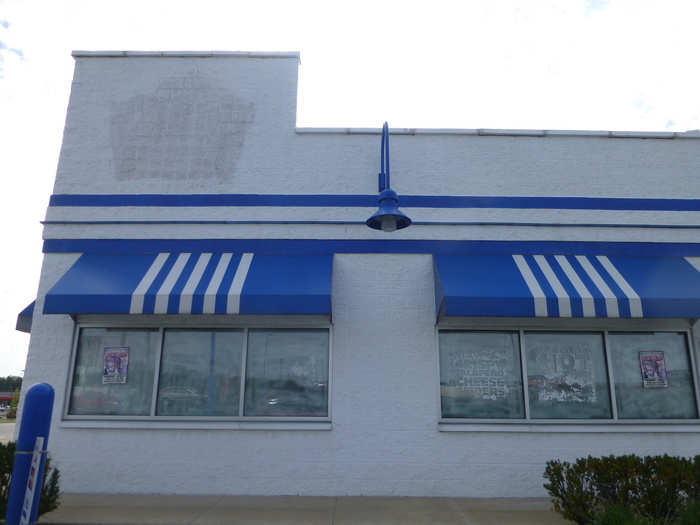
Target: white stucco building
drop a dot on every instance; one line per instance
(216, 317)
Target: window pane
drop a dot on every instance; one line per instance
(668, 393)
(114, 372)
(567, 376)
(200, 373)
(480, 375)
(287, 373)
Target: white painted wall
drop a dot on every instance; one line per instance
(385, 438)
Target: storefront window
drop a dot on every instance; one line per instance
(114, 372)
(287, 373)
(201, 372)
(653, 378)
(567, 375)
(480, 375)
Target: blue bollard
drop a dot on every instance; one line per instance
(36, 421)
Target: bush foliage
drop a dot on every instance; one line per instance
(12, 414)
(50, 492)
(626, 489)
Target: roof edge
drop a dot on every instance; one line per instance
(691, 134)
(186, 54)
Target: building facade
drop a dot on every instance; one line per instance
(216, 317)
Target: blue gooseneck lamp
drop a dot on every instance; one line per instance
(388, 217)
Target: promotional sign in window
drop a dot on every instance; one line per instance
(116, 365)
(653, 366)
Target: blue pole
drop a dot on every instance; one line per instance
(385, 133)
(36, 421)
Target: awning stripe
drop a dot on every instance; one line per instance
(623, 307)
(612, 309)
(233, 303)
(212, 289)
(161, 305)
(145, 284)
(574, 298)
(149, 300)
(564, 301)
(176, 292)
(635, 303)
(221, 303)
(192, 282)
(587, 305)
(550, 296)
(694, 261)
(540, 300)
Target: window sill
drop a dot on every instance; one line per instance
(570, 428)
(197, 425)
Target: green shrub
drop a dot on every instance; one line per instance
(657, 489)
(571, 489)
(690, 514)
(50, 491)
(7, 458)
(618, 515)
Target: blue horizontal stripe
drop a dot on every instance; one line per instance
(325, 246)
(415, 223)
(409, 201)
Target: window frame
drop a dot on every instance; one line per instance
(161, 323)
(601, 326)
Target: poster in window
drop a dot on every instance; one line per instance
(481, 372)
(116, 365)
(653, 367)
(562, 370)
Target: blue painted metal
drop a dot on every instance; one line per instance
(388, 217)
(388, 211)
(492, 285)
(368, 201)
(330, 246)
(36, 421)
(385, 170)
(24, 319)
(103, 283)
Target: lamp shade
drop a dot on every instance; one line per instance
(388, 217)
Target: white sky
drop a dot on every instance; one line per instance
(564, 64)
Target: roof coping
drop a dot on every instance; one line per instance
(691, 134)
(187, 54)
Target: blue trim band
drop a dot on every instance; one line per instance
(370, 201)
(417, 223)
(327, 246)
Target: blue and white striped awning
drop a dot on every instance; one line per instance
(567, 286)
(194, 283)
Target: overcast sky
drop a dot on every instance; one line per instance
(564, 64)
